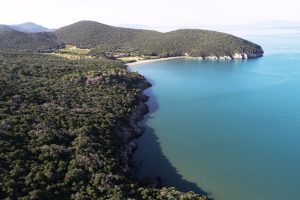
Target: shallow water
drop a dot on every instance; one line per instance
(230, 128)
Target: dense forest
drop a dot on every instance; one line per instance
(194, 42)
(66, 130)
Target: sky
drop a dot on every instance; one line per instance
(154, 13)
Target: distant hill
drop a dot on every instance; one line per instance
(27, 27)
(5, 27)
(13, 40)
(30, 27)
(194, 42)
(89, 34)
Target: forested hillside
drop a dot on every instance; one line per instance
(108, 40)
(104, 38)
(65, 129)
(13, 40)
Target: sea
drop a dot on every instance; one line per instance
(228, 129)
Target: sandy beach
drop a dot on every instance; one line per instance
(154, 60)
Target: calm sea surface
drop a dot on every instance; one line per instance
(229, 128)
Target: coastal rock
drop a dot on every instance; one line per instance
(238, 56)
(244, 55)
(225, 58)
(211, 58)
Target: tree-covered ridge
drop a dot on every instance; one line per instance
(108, 40)
(104, 38)
(13, 40)
(61, 128)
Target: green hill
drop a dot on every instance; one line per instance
(89, 34)
(192, 42)
(111, 40)
(13, 40)
(27, 27)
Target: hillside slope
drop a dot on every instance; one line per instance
(13, 40)
(192, 42)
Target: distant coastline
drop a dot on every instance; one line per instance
(235, 57)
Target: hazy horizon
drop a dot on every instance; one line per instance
(156, 13)
(226, 28)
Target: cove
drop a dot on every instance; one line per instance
(229, 128)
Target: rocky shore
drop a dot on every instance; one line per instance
(130, 130)
(236, 56)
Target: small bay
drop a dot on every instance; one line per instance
(230, 128)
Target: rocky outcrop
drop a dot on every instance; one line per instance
(211, 58)
(236, 56)
(225, 58)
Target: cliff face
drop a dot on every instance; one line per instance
(237, 56)
(252, 54)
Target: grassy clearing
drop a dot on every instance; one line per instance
(131, 59)
(72, 52)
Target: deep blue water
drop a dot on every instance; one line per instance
(230, 128)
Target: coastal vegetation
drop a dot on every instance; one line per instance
(114, 42)
(69, 107)
(66, 129)
(111, 40)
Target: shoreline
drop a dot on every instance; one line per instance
(210, 58)
(131, 64)
(135, 131)
(130, 131)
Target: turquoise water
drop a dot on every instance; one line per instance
(229, 128)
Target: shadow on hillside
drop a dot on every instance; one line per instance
(150, 160)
